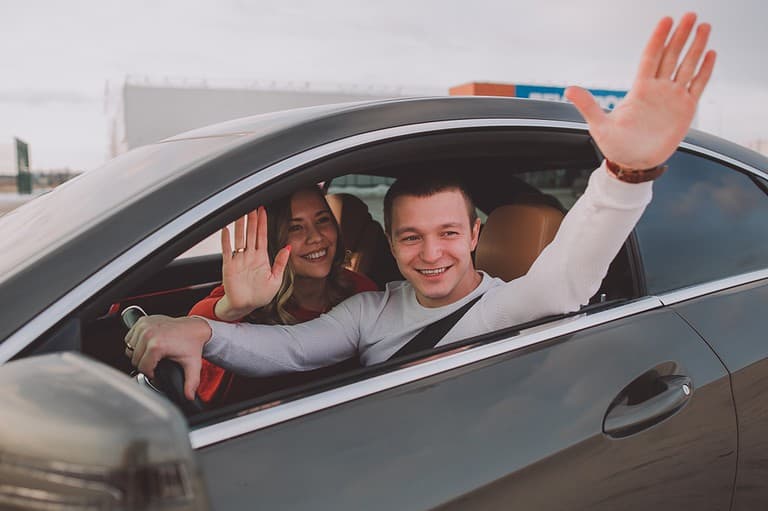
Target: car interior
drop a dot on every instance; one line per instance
(523, 182)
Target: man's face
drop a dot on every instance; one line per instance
(432, 242)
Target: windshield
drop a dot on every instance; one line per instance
(37, 227)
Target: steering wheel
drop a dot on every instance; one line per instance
(169, 376)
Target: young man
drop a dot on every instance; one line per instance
(432, 232)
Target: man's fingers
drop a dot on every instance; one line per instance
(261, 240)
(192, 370)
(700, 81)
(654, 49)
(587, 106)
(136, 354)
(251, 233)
(692, 58)
(281, 261)
(129, 337)
(675, 47)
(135, 339)
(239, 233)
(146, 359)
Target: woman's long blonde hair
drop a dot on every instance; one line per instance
(338, 285)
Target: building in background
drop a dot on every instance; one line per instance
(142, 112)
(605, 97)
(760, 145)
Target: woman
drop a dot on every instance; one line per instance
(313, 280)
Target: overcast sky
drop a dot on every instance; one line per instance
(57, 57)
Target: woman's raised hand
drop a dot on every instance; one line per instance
(651, 121)
(250, 281)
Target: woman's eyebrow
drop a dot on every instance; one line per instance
(318, 213)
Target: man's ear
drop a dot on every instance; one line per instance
(476, 233)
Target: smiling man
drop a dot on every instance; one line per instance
(432, 230)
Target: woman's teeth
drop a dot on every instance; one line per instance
(316, 255)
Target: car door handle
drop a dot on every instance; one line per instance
(627, 416)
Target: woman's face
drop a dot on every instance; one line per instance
(312, 235)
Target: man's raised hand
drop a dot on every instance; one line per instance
(250, 281)
(650, 122)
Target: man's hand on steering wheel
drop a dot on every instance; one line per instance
(153, 338)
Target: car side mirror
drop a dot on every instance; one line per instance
(77, 434)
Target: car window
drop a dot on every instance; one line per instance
(521, 167)
(370, 189)
(706, 221)
(566, 185)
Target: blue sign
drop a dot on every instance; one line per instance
(605, 98)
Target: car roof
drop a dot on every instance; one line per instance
(56, 241)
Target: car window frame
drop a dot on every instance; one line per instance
(263, 414)
(246, 192)
(238, 192)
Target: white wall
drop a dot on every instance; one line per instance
(147, 113)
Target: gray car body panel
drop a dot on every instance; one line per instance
(523, 429)
(734, 322)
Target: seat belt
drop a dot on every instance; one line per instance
(434, 333)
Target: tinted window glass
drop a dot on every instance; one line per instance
(370, 189)
(566, 185)
(706, 221)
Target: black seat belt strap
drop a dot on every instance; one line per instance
(433, 334)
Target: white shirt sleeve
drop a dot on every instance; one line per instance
(570, 269)
(265, 350)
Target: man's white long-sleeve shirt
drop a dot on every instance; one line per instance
(374, 325)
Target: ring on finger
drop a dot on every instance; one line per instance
(238, 251)
(128, 346)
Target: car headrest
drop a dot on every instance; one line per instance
(514, 236)
(352, 216)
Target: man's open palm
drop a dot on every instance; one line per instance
(651, 121)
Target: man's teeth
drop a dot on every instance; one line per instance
(316, 255)
(435, 271)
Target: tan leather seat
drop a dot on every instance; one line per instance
(514, 236)
(367, 248)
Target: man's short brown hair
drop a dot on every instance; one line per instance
(425, 186)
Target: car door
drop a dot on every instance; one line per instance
(625, 407)
(710, 263)
(517, 422)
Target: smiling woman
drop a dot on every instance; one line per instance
(313, 282)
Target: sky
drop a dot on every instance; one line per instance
(58, 58)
